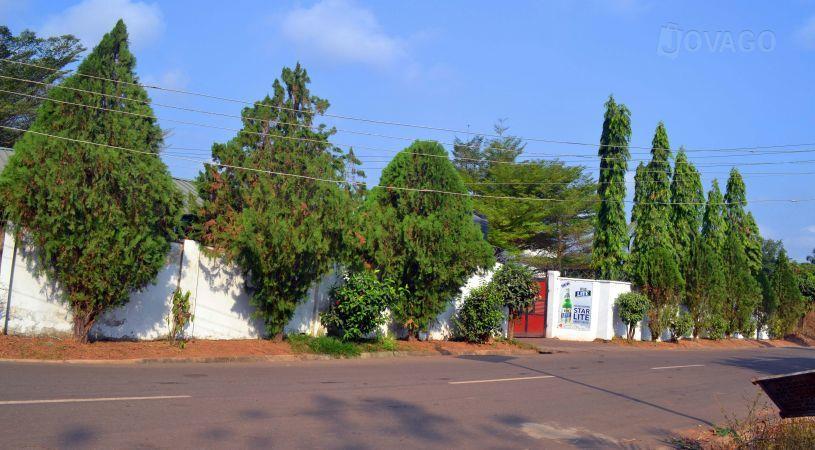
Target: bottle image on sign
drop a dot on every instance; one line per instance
(566, 310)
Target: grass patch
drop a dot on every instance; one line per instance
(323, 345)
(327, 345)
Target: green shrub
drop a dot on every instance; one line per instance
(632, 306)
(679, 323)
(716, 327)
(323, 345)
(358, 305)
(515, 286)
(480, 316)
(180, 315)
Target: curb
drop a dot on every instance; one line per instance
(269, 358)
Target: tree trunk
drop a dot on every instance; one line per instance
(278, 337)
(510, 328)
(83, 322)
(411, 337)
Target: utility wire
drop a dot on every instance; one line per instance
(323, 142)
(392, 123)
(388, 187)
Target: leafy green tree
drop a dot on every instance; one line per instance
(742, 288)
(101, 217)
(770, 252)
(713, 222)
(515, 286)
(611, 231)
(558, 228)
(742, 255)
(475, 156)
(632, 307)
(284, 232)
(425, 241)
(791, 304)
(481, 315)
(688, 207)
(705, 285)
(19, 111)
(653, 264)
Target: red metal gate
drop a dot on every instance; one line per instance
(533, 322)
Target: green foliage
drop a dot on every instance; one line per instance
(791, 304)
(481, 315)
(716, 327)
(559, 228)
(660, 280)
(611, 232)
(713, 222)
(632, 307)
(515, 286)
(678, 322)
(180, 315)
(805, 275)
(705, 284)
(284, 232)
(688, 208)
(743, 292)
(359, 304)
(426, 242)
(52, 53)
(101, 218)
(654, 265)
(323, 345)
(474, 157)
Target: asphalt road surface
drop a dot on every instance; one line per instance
(585, 399)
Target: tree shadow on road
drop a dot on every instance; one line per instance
(771, 365)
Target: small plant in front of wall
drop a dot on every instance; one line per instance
(179, 317)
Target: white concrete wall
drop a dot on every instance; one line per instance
(605, 322)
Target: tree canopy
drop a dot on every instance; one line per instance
(101, 217)
(284, 232)
(56, 52)
(425, 241)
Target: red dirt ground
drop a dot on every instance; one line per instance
(707, 343)
(19, 347)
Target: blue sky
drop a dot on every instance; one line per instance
(719, 74)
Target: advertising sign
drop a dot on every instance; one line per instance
(575, 305)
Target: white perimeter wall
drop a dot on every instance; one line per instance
(605, 320)
(30, 305)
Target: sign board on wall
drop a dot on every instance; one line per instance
(575, 305)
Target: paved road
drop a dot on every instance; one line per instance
(580, 399)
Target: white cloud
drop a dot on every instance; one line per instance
(343, 31)
(806, 33)
(89, 20)
(173, 79)
(810, 229)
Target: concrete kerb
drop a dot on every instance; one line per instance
(269, 358)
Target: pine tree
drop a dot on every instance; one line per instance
(284, 232)
(425, 241)
(653, 264)
(101, 217)
(611, 231)
(688, 207)
(753, 242)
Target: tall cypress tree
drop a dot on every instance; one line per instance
(741, 257)
(611, 232)
(101, 217)
(653, 263)
(753, 244)
(713, 221)
(688, 207)
(426, 241)
(791, 304)
(284, 232)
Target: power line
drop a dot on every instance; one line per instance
(323, 142)
(340, 182)
(400, 124)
